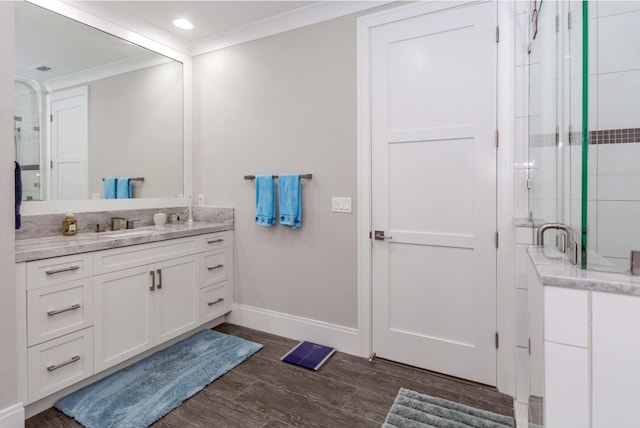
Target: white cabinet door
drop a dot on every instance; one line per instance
(615, 356)
(124, 315)
(176, 297)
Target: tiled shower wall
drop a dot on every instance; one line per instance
(27, 138)
(524, 235)
(614, 150)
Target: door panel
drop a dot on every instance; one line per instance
(434, 191)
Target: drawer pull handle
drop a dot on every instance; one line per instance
(57, 366)
(215, 267)
(67, 269)
(59, 311)
(215, 301)
(159, 272)
(215, 241)
(153, 280)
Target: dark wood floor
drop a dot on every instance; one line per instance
(347, 391)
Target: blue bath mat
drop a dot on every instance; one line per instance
(142, 393)
(413, 410)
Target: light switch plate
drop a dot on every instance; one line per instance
(340, 205)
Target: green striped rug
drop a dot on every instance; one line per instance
(413, 410)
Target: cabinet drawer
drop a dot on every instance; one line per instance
(59, 309)
(215, 267)
(41, 273)
(136, 255)
(215, 301)
(213, 241)
(61, 362)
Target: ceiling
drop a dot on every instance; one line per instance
(209, 17)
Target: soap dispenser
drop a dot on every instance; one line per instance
(69, 225)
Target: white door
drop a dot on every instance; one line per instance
(433, 89)
(69, 144)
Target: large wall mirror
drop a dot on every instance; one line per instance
(90, 105)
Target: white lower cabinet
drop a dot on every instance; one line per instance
(615, 357)
(85, 313)
(59, 363)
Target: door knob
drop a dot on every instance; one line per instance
(378, 235)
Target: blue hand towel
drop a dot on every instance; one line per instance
(123, 188)
(265, 201)
(18, 193)
(290, 200)
(110, 188)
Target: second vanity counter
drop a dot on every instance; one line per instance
(55, 246)
(554, 269)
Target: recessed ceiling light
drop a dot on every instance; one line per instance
(185, 24)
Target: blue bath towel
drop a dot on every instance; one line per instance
(290, 200)
(18, 193)
(265, 201)
(109, 188)
(123, 188)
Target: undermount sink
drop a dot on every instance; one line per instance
(130, 233)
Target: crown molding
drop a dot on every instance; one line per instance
(298, 18)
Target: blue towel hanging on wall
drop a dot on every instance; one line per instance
(18, 194)
(110, 188)
(290, 200)
(265, 201)
(123, 188)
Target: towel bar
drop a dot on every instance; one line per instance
(253, 177)
(133, 179)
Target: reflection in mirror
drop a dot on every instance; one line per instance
(89, 105)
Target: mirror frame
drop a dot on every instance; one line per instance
(54, 207)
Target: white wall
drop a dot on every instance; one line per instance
(135, 130)
(285, 104)
(8, 352)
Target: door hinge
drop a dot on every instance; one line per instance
(51, 118)
(497, 340)
(370, 235)
(497, 138)
(529, 346)
(570, 134)
(51, 164)
(557, 23)
(497, 239)
(569, 20)
(497, 34)
(557, 135)
(529, 183)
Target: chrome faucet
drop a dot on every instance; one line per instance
(567, 243)
(115, 224)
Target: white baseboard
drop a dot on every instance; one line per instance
(344, 339)
(12, 417)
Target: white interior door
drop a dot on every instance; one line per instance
(434, 191)
(69, 144)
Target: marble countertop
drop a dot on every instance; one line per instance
(54, 246)
(555, 270)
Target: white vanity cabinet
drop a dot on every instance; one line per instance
(140, 307)
(59, 320)
(82, 314)
(216, 284)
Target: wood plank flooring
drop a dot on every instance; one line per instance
(347, 391)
